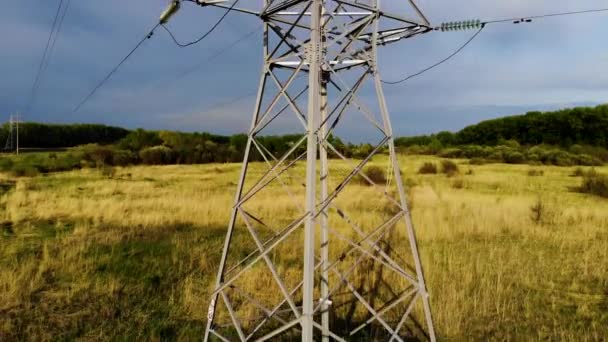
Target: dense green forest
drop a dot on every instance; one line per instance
(39, 135)
(587, 126)
(564, 128)
(576, 136)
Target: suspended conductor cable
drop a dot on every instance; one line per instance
(230, 102)
(54, 41)
(451, 26)
(57, 32)
(103, 81)
(548, 15)
(217, 23)
(44, 57)
(216, 54)
(440, 62)
(195, 67)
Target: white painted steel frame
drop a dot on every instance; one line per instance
(323, 55)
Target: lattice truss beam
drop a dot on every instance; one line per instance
(368, 280)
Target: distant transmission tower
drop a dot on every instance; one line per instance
(299, 258)
(12, 141)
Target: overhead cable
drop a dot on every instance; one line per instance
(216, 54)
(105, 79)
(43, 60)
(438, 63)
(55, 38)
(206, 34)
(464, 25)
(548, 15)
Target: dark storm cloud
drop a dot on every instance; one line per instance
(509, 69)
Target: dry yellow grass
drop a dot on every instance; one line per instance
(85, 256)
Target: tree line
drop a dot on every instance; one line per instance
(586, 126)
(39, 135)
(576, 136)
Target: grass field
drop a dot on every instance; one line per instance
(509, 254)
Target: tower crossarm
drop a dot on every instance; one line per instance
(397, 34)
(386, 14)
(296, 14)
(283, 8)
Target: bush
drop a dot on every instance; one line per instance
(25, 171)
(597, 152)
(435, 146)
(512, 143)
(535, 173)
(108, 171)
(139, 139)
(428, 168)
(513, 157)
(451, 153)
(595, 184)
(537, 211)
(123, 158)
(418, 150)
(578, 172)
(99, 156)
(374, 173)
(6, 164)
(478, 161)
(475, 151)
(458, 184)
(561, 158)
(363, 151)
(64, 162)
(157, 155)
(532, 157)
(449, 168)
(588, 160)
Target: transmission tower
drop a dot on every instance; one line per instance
(12, 142)
(324, 269)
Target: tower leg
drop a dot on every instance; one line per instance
(314, 92)
(233, 213)
(403, 200)
(324, 217)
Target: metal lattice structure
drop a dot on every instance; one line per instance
(12, 141)
(323, 270)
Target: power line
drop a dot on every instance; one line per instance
(142, 41)
(230, 102)
(216, 54)
(103, 81)
(196, 66)
(235, 99)
(57, 32)
(182, 45)
(34, 89)
(54, 40)
(483, 24)
(548, 15)
(440, 62)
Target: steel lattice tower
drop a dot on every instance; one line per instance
(321, 270)
(12, 142)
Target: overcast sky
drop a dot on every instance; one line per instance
(508, 69)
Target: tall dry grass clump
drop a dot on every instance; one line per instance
(595, 183)
(374, 173)
(427, 168)
(449, 168)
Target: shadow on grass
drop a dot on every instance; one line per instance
(131, 289)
